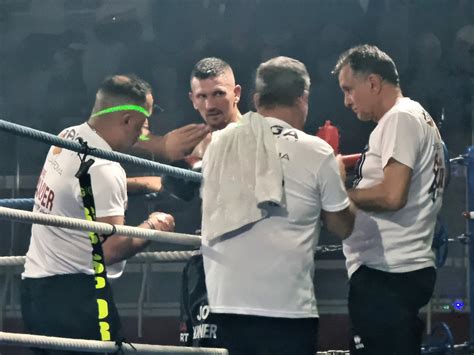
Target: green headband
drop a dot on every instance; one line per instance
(122, 108)
(143, 138)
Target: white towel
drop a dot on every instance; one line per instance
(242, 174)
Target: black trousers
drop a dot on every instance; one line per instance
(383, 309)
(253, 335)
(64, 306)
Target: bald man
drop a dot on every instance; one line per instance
(63, 292)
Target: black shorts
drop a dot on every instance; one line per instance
(254, 335)
(240, 334)
(64, 306)
(383, 308)
(196, 326)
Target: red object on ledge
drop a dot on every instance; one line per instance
(330, 134)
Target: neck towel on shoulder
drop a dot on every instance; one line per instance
(242, 175)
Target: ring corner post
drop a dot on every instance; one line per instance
(470, 206)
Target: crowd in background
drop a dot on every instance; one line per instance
(48, 78)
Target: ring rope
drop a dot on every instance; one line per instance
(12, 260)
(27, 203)
(161, 256)
(98, 227)
(57, 343)
(105, 228)
(49, 138)
(20, 203)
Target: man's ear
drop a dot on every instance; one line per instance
(256, 99)
(126, 117)
(237, 93)
(305, 96)
(190, 95)
(303, 99)
(375, 82)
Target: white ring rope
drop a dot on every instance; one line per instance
(98, 227)
(156, 256)
(56, 343)
(12, 260)
(163, 256)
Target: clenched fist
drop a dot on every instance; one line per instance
(161, 221)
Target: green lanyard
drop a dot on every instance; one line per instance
(101, 284)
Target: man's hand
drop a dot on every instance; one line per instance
(181, 141)
(161, 221)
(174, 145)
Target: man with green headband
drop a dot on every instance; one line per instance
(60, 285)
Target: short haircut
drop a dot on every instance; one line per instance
(367, 59)
(280, 81)
(125, 88)
(210, 67)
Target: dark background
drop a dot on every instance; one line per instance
(54, 54)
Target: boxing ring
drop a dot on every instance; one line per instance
(12, 210)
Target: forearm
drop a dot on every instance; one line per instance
(375, 199)
(143, 184)
(118, 247)
(340, 223)
(128, 249)
(155, 146)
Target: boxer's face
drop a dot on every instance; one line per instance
(357, 93)
(216, 99)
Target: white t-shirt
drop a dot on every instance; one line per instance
(56, 251)
(400, 241)
(267, 270)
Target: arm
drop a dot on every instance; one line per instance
(175, 145)
(118, 247)
(390, 195)
(340, 223)
(337, 213)
(143, 184)
(153, 147)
